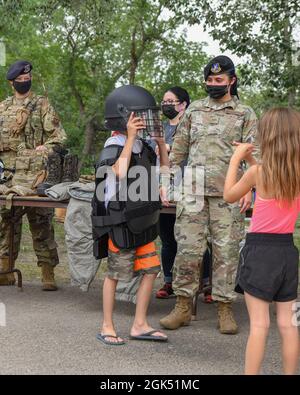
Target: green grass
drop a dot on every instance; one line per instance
(27, 261)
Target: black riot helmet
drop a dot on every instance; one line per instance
(131, 98)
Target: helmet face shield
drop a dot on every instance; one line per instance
(152, 120)
(122, 101)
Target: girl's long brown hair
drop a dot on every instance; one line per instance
(279, 138)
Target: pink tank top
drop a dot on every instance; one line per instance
(268, 217)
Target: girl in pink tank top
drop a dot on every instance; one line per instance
(269, 217)
(269, 261)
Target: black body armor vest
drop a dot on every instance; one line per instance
(128, 222)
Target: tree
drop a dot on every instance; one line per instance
(261, 31)
(82, 50)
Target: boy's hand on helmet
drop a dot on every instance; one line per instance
(134, 124)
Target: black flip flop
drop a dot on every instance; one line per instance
(149, 336)
(102, 338)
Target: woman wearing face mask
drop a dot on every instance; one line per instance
(204, 137)
(174, 103)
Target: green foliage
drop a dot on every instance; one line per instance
(262, 32)
(81, 50)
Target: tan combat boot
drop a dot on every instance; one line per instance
(181, 314)
(48, 277)
(6, 279)
(227, 324)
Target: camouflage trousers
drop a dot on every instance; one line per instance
(225, 225)
(124, 264)
(42, 231)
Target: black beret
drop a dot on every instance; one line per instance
(218, 65)
(18, 68)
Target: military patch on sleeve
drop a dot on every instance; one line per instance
(216, 68)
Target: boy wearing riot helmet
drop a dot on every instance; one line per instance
(125, 226)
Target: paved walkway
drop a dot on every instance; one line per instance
(54, 333)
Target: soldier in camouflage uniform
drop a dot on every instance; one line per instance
(204, 137)
(28, 124)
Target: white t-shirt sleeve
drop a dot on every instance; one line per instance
(111, 181)
(120, 139)
(111, 184)
(114, 140)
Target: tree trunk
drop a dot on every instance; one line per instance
(292, 98)
(133, 60)
(92, 126)
(289, 41)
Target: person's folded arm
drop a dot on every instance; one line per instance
(235, 189)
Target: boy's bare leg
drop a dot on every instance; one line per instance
(140, 324)
(289, 336)
(259, 326)
(109, 289)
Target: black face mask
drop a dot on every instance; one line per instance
(216, 91)
(22, 87)
(169, 111)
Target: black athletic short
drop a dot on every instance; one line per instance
(268, 267)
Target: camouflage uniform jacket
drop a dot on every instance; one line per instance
(26, 124)
(204, 136)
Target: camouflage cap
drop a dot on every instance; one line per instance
(218, 65)
(18, 68)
